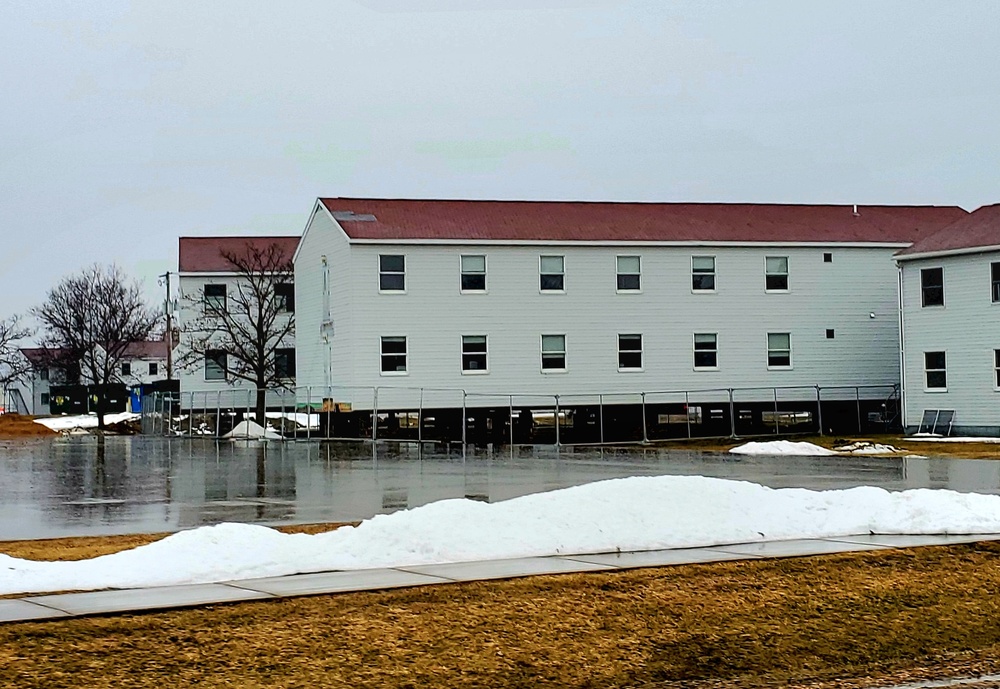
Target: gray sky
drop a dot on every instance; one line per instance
(125, 125)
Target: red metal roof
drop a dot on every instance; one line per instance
(41, 356)
(151, 349)
(981, 228)
(397, 219)
(204, 254)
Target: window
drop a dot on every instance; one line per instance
(284, 296)
(706, 350)
(394, 354)
(935, 371)
(284, 362)
(126, 369)
(553, 352)
(474, 273)
(829, 333)
(932, 287)
(43, 374)
(44, 398)
(995, 275)
(996, 368)
(216, 364)
(630, 352)
(779, 350)
(474, 354)
(827, 258)
(391, 273)
(215, 298)
(552, 273)
(703, 273)
(629, 273)
(776, 273)
(154, 368)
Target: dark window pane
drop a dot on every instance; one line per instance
(474, 362)
(154, 369)
(937, 379)
(391, 264)
(551, 282)
(995, 270)
(705, 359)
(284, 296)
(393, 363)
(394, 345)
(392, 282)
(473, 281)
(629, 359)
(628, 282)
(776, 282)
(703, 282)
(553, 361)
(779, 359)
(284, 362)
(934, 360)
(216, 363)
(932, 286)
(827, 258)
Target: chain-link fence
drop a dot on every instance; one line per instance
(448, 415)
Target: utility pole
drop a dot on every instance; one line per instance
(170, 327)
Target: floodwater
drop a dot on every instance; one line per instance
(85, 486)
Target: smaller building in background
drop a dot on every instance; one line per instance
(950, 316)
(45, 373)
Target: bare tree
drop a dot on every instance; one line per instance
(13, 365)
(242, 328)
(90, 319)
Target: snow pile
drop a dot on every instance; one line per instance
(782, 447)
(301, 418)
(639, 513)
(250, 430)
(927, 438)
(68, 423)
(866, 447)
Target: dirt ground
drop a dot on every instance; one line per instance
(849, 620)
(20, 426)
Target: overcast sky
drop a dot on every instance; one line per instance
(126, 125)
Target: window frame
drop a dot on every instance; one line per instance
(154, 368)
(126, 368)
(462, 273)
(995, 282)
(562, 352)
(627, 352)
(768, 274)
(221, 359)
(390, 273)
(996, 369)
(714, 273)
(207, 300)
(285, 302)
(779, 367)
(382, 355)
(277, 373)
(928, 371)
(923, 288)
(619, 275)
(485, 354)
(562, 275)
(695, 350)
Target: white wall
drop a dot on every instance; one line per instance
(966, 328)
(433, 314)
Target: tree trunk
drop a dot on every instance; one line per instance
(100, 408)
(261, 405)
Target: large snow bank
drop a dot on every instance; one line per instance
(246, 430)
(65, 423)
(641, 513)
(782, 447)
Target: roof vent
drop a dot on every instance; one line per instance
(855, 211)
(351, 216)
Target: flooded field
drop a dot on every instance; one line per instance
(80, 486)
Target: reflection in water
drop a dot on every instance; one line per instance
(92, 485)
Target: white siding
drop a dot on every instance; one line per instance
(966, 328)
(434, 314)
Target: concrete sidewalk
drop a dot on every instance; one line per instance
(66, 605)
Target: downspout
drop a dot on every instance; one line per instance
(902, 348)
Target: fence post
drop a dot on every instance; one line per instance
(777, 431)
(857, 399)
(465, 417)
(374, 415)
(687, 412)
(420, 421)
(732, 415)
(819, 411)
(600, 402)
(309, 409)
(510, 420)
(645, 437)
(556, 418)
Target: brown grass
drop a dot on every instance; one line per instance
(20, 426)
(807, 621)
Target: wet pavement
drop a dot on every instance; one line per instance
(79, 486)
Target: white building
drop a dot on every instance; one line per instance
(495, 299)
(950, 307)
(43, 375)
(204, 274)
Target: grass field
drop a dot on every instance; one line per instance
(823, 621)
